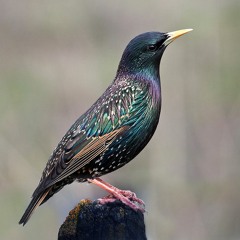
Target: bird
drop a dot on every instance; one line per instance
(115, 129)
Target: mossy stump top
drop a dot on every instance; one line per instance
(94, 221)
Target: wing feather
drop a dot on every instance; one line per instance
(94, 148)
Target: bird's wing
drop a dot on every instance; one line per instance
(77, 153)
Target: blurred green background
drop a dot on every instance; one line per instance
(57, 58)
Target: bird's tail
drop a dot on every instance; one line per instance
(35, 202)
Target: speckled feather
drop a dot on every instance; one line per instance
(125, 115)
(115, 129)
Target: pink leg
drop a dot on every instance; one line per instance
(124, 196)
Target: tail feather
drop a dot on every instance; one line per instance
(35, 202)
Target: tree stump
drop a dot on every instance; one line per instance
(109, 221)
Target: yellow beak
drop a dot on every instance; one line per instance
(173, 35)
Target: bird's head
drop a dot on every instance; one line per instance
(144, 52)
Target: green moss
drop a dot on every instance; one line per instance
(70, 224)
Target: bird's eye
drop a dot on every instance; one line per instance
(152, 47)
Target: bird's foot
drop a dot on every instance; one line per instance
(107, 199)
(132, 196)
(127, 197)
(129, 202)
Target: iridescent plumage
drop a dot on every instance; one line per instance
(117, 126)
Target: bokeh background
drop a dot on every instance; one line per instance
(57, 57)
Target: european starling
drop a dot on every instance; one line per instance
(115, 128)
